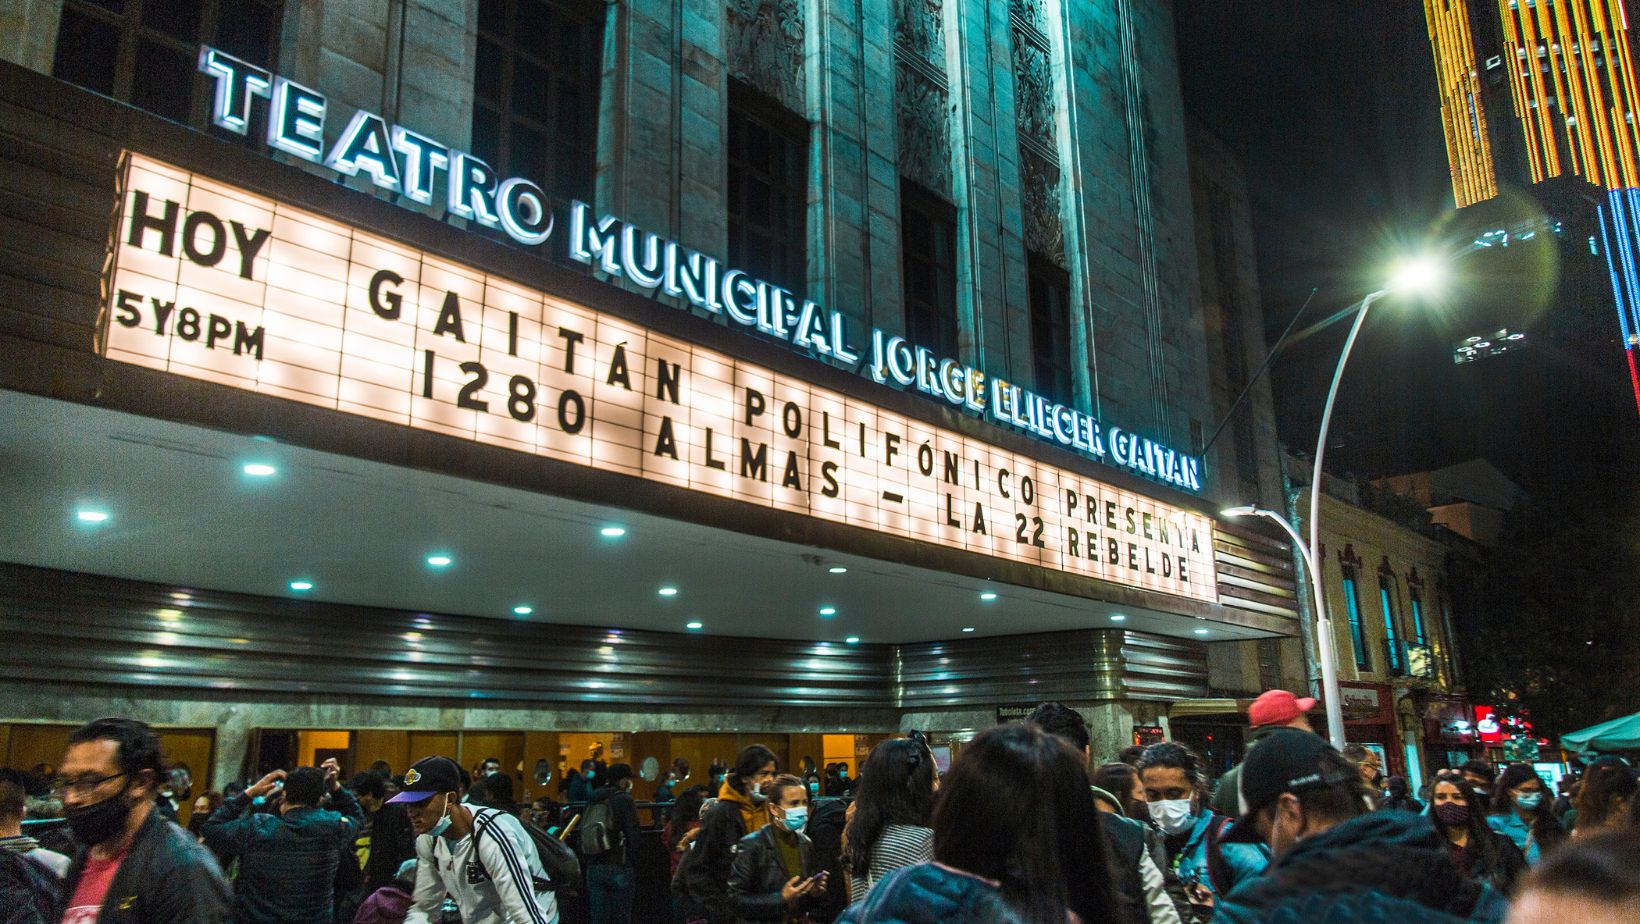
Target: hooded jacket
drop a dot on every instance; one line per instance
(929, 893)
(1377, 868)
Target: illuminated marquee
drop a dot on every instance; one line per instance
(401, 161)
(211, 282)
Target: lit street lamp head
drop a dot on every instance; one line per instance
(1416, 275)
(1245, 510)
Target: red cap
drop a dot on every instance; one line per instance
(1277, 707)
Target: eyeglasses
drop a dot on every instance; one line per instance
(83, 786)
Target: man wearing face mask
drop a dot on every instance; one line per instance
(1335, 858)
(134, 867)
(775, 876)
(1201, 865)
(481, 856)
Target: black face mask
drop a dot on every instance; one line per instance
(102, 821)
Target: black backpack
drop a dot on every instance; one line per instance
(562, 866)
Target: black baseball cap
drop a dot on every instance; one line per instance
(428, 777)
(1286, 760)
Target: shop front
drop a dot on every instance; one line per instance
(293, 462)
(1369, 720)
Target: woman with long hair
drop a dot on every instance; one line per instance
(1122, 782)
(893, 813)
(1460, 817)
(1016, 838)
(1607, 789)
(1521, 812)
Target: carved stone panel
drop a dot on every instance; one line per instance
(1033, 91)
(918, 30)
(1044, 229)
(1029, 13)
(765, 48)
(924, 130)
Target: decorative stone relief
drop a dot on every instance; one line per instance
(918, 30)
(1044, 230)
(1038, 131)
(765, 48)
(922, 94)
(924, 137)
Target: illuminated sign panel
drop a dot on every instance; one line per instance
(212, 282)
(401, 161)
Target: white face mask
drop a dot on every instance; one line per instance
(1173, 816)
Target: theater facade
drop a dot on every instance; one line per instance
(357, 402)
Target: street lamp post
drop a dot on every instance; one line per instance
(1413, 275)
(1323, 625)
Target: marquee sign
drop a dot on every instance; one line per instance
(216, 283)
(406, 163)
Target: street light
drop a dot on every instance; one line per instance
(1330, 696)
(1411, 276)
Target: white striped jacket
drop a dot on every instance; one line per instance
(489, 873)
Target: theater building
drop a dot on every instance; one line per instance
(538, 379)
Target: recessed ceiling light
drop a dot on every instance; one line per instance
(988, 596)
(439, 561)
(1117, 617)
(838, 569)
(260, 470)
(87, 515)
(612, 532)
(1201, 631)
(668, 591)
(853, 640)
(523, 609)
(301, 585)
(967, 628)
(828, 611)
(696, 625)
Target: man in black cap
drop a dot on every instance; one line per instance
(1335, 859)
(481, 856)
(609, 839)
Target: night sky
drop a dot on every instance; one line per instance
(1334, 107)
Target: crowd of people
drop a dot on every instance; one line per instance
(1027, 825)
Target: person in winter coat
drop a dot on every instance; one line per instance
(1201, 864)
(1521, 812)
(741, 809)
(1460, 817)
(1016, 839)
(1336, 860)
(288, 858)
(390, 903)
(774, 876)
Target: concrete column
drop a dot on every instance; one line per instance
(1110, 729)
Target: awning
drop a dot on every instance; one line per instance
(1617, 735)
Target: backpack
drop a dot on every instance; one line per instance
(26, 885)
(598, 835)
(562, 866)
(1218, 868)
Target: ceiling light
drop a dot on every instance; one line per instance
(668, 591)
(838, 569)
(92, 516)
(988, 596)
(523, 610)
(301, 585)
(1201, 631)
(853, 640)
(967, 628)
(828, 611)
(1117, 617)
(260, 470)
(695, 626)
(612, 532)
(439, 561)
